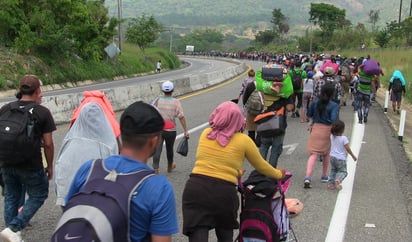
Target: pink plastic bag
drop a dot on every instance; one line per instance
(285, 183)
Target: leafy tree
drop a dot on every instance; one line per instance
(57, 27)
(374, 18)
(382, 38)
(143, 31)
(407, 30)
(266, 37)
(280, 21)
(205, 40)
(328, 17)
(394, 28)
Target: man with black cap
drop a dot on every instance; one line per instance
(30, 175)
(154, 215)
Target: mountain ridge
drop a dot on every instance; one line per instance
(240, 15)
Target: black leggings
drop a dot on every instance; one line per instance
(201, 234)
(169, 138)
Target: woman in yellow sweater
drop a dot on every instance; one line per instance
(210, 199)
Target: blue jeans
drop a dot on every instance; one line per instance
(277, 147)
(337, 170)
(16, 180)
(363, 103)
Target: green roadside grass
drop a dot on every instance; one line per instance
(131, 62)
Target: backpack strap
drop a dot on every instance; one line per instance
(260, 95)
(130, 181)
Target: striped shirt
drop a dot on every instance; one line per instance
(170, 108)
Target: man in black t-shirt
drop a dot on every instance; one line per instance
(29, 177)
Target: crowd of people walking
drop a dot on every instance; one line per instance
(310, 88)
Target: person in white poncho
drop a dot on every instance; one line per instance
(90, 137)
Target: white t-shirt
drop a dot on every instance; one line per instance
(308, 85)
(338, 149)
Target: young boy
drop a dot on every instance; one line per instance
(338, 152)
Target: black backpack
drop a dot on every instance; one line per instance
(100, 211)
(397, 85)
(17, 142)
(296, 79)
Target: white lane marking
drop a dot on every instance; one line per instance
(336, 231)
(202, 126)
(291, 148)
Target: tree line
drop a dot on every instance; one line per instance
(83, 29)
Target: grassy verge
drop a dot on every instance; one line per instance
(131, 62)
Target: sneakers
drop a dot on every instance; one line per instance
(171, 167)
(306, 183)
(338, 184)
(7, 235)
(365, 119)
(297, 114)
(324, 179)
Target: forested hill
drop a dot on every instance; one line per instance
(239, 15)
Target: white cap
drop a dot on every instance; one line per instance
(167, 86)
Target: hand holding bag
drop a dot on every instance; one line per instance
(183, 147)
(270, 124)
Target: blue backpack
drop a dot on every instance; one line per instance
(100, 211)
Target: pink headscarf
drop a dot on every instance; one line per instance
(225, 120)
(100, 98)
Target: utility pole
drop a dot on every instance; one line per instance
(311, 37)
(400, 12)
(171, 39)
(172, 29)
(119, 18)
(410, 9)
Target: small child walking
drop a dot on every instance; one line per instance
(338, 153)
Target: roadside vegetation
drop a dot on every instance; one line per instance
(66, 42)
(133, 61)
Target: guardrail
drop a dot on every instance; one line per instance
(62, 106)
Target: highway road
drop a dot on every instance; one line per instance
(371, 207)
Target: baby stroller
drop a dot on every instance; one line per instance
(265, 212)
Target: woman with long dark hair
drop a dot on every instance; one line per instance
(323, 113)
